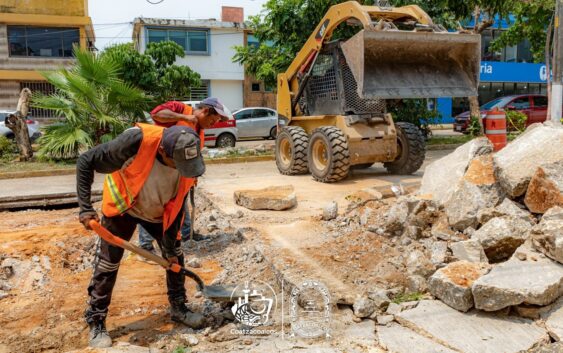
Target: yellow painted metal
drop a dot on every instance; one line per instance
(323, 32)
(21, 75)
(46, 7)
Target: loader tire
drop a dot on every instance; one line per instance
(291, 151)
(411, 147)
(328, 154)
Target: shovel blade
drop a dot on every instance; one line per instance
(222, 293)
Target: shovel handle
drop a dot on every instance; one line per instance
(124, 244)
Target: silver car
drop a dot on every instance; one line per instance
(32, 126)
(257, 122)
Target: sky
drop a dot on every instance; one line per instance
(112, 18)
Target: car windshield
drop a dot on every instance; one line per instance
(495, 103)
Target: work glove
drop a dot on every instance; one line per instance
(86, 217)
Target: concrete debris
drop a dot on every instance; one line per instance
(472, 332)
(533, 312)
(417, 263)
(441, 229)
(277, 198)
(398, 339)
(363, 307)
(362, 197)
(439, 252)
(28, 274)
(119, 347)
(553, 214)
(397, 215)
(394, 309)
(556, 347)
(469, 250)
(442, 176)
(189, 339)
(330, 211)
(452, 284)
(554, 320)
(416, 283)
(384, 319)
(506, 208)
(547, 236)
(501, 236)
(379, 297)
(194, 263)
(537, 280)
(225, 333)
(546, 188)
(519, 160)
(478, 189)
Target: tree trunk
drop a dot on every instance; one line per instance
(548, 67)
(475, 111)
(16, 122)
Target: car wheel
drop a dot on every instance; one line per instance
(273, 133)
(225, 140)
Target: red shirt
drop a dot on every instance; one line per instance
(174, 106)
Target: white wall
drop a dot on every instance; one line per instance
(218, 65)
(229, 92)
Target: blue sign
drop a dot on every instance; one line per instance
(493, 71)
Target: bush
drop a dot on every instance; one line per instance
(515, 120)
(474, 127)
(7, 147)
(414, 111)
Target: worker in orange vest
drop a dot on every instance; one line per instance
(177, 113)
(150, 170)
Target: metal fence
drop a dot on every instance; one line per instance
(45, 88)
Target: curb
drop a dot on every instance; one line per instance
(71, 171)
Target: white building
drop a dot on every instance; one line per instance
(209, 51)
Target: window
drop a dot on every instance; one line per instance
(520, 103)
(199, 93)
(193, 41)
(540, 102)
(245, 114)
(42, 41)
(255, 87)
(517, 53)
(261, 113)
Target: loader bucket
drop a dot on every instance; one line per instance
(398, 64)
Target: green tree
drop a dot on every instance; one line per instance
(95, 103)
(154, 71)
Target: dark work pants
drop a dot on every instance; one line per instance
(108, 258)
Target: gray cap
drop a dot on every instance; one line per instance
(183, 145)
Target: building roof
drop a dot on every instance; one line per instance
(140, 22)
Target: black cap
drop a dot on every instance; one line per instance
(183, 145)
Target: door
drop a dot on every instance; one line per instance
(244, 121)
(539, 110)
(261, 119)
(521, 104)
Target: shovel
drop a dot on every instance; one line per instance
(216, 293)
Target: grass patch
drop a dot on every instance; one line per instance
(181, 349)
(10, 165)
(407, 297)
(449, 140)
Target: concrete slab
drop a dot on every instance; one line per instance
(221, 180)
(474, 332)
(44, 185)
(398, 339)
(554, 321)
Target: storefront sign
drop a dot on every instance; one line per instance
(492, 71)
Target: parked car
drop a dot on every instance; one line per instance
(257, 122)
(223, 133)
(533, 105)
(32, 126)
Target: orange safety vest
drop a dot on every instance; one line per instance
(122, 187)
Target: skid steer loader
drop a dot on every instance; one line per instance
(334, 94)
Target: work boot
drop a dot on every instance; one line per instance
(99, 336)
(180, 313)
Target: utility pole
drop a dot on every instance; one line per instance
(557, 83)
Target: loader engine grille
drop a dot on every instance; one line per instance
(332, 89)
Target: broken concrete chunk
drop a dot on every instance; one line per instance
(416, 283)
(477, 190)
(554, 320)
(553, 214)
(394, 309)
(275, 198)
(473, 332)
(441, 229)
(379, 297)
(547, 237)
(396, 218)
(384, 319)
(363, 307)
(418, 263)
(469, 250)
(452, 284)
(438, 251)
(506, 208)
(330, 211)
(501, 236)
(398, 339)
(537, 280)
(518, 161)
(532, 312)
(442, 176)
(555, 347)
(546, 188)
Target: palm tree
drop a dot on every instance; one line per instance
(95, 103)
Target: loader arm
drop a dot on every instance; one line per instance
(288, 82)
